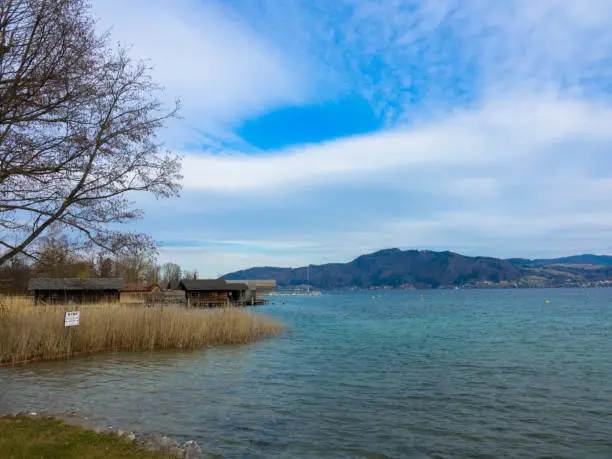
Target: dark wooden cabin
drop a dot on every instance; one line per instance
(80, 291)
(213, 292)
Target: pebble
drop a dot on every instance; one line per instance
(192, 450)
(164, 441)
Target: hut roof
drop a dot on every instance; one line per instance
(203, 285)
(110, 283)
(256, 284)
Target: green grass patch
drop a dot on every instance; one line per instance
(26, 438)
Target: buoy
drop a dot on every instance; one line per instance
(547, 301)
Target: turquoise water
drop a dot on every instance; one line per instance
(458, 374)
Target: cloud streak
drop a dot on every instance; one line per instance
(525, 130)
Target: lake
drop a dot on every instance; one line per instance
(459, 373)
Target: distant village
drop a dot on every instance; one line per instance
(523, 283)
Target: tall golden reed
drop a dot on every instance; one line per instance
(33, 333)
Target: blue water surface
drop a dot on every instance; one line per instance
(457, 374)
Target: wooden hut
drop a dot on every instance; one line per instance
(212, 292)
(257, 290)
(136, 293)
(70, 290)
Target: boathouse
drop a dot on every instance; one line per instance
(257, 290)
(213, 292)
(80, 291)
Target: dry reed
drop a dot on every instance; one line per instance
(38, 333)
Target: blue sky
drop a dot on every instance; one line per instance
(314, 131)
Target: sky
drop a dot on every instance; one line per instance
(315, 131)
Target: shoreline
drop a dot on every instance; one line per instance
(60, 357)
(155, 444)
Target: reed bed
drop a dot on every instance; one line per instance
(29, 333)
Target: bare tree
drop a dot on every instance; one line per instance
(138, 266)
(105, 266)
(78, 124)
(171, 274)
(15, 275)
(190, 274)
(58, 257)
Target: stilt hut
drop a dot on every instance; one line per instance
(257, 290)
(212, 292)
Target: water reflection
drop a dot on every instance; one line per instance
(125, 388)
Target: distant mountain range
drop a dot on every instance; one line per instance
(405, 269)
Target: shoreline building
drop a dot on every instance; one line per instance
(79, 291)
(257, 290)
(213, 292)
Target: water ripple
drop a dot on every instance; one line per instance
(462, 374)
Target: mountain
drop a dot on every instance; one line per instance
(587, 259)
(392, 268)
(395, 268)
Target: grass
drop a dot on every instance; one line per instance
(23, 437)
(29, 333)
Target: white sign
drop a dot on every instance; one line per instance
(72, 318)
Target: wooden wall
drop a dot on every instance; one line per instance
(76, 296)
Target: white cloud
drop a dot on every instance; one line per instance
(502, 225)
(220, 68)
(470, 233)
(402, 53)
(212, 263)
(232, 61)
(509, 131)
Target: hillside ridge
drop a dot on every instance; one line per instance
(406, 269)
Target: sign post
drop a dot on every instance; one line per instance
(72, 318)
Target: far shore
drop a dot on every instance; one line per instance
(605, 284)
